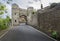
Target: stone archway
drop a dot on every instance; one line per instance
(23, 19)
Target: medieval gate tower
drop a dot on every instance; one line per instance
(18, 14)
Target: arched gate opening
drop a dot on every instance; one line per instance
(23, 19)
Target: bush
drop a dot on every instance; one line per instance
(55, 35)
(4, 23)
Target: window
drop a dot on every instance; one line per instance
(15, 20)
(15, 13)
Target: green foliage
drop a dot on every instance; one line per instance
(8, 19)
(4, 23)
(1, 12)
(2, 9)
(32, 12)
(54, 34)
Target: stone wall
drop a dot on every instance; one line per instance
(49, 20)
(34, 20)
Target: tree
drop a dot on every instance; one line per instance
(3, 22)
(2, 8)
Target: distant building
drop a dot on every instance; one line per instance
(18, 14)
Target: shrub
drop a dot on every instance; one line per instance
(54, 34)
(4, 23)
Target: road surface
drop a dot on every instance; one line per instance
(24, 33)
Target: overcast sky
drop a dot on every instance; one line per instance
(34, 3)
(28, 3)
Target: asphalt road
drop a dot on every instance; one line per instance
(24, 33)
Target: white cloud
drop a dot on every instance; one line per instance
(27, 3)
(54, 1)
(33, 3)
(36, 5)
(8, 10)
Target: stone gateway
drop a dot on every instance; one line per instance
(20, 15)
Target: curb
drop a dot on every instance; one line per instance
(47, 35)
(4, 32)
(43, 33)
